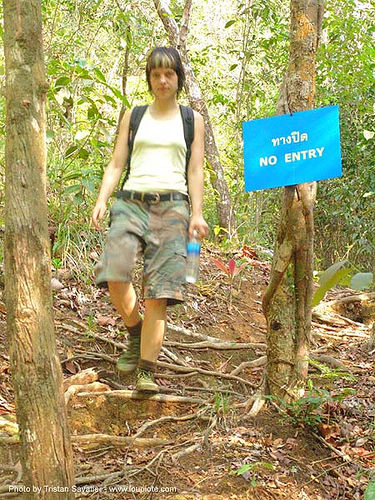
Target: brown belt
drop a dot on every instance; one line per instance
(152, 198)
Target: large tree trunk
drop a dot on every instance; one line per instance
(177, 38)
(287, 301)
(45, 443)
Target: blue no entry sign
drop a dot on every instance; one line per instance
(290, 149)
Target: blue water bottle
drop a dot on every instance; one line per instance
(192, 261)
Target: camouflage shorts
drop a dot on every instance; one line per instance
(159, 232)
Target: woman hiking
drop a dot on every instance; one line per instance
(151, 213)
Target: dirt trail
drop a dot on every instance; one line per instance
(204, 445)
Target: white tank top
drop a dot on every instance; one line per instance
(158, 160)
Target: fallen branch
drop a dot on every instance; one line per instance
(179, 375)
(167, 398)
(362, 297)
(95, 439)
(338, 452)
(224, 345)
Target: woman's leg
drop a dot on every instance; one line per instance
(125, 300)
(153, 328)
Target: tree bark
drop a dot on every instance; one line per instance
(45, 443)
(177, 39)
(287, 300)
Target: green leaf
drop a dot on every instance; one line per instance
(50, 135)
(84, 154)
(244, 469)
(82, 63)
(100, 75)
(63, 81)
(330, 272)
(329, 279)
(361, 281)
(70, 151)
(229, 23)
(76, 188)
(231, 68)
(370, 491)
(89, 185)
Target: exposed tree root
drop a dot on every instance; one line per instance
(82, 378)
(189, 333)
(329, 360)
(186, 451)
(205, 372)
(249, 364)
(88, 388)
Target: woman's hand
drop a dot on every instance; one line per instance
(98, 214)
(198, 224)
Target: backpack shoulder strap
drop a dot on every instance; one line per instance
(135, 119)
(187, 115)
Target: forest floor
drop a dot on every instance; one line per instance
(204, 444)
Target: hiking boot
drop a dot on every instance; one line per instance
(146, 381)
(128, 360)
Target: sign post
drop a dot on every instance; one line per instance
(291, 149)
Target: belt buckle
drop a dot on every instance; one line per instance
(156, 200)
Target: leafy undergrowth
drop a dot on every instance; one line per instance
(320, 447)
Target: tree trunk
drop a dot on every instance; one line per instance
(45, 442)
(177, 38)
(287, 300)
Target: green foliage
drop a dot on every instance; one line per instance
(333, 275)
(309, 410)
(240, 75)
(331, 374)
(370, 491)
(339, 273)
(344, 225)
(222, 403)
(253, 468)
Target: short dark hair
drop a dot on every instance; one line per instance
(165, 57)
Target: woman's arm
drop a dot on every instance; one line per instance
(113, 171)
(196, 179)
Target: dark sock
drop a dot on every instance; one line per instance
(135, 331)
(149, 366)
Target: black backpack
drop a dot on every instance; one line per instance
(187, 115)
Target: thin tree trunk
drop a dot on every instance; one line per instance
(44, 436)
(177, 38)
(124, 77)
(287, 300)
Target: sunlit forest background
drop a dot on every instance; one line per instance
(239, 53)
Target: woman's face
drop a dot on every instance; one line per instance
(164, 82)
